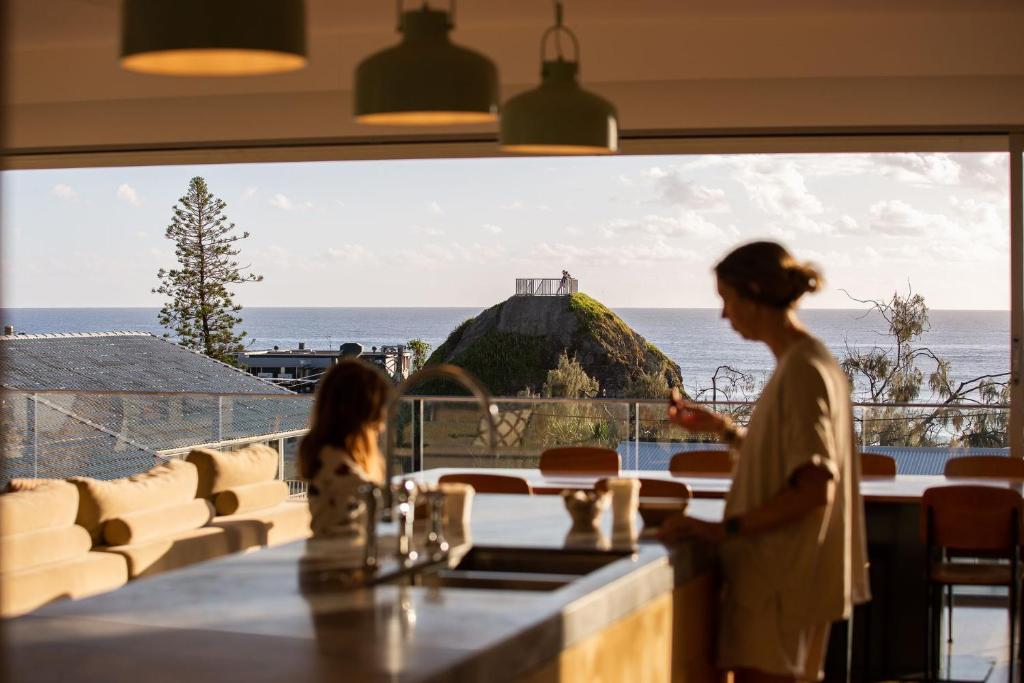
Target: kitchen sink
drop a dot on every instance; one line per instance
(517, 569)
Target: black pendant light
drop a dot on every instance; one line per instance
(559, 117)
(426, 79)
(213, 37)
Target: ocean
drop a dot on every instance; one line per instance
(974, 342)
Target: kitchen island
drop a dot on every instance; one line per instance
(646, 614)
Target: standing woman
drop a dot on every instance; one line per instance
(792, 542)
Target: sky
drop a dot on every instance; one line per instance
(637, 231)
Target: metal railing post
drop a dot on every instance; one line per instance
(280, 459)
(636, 435)
(419, 433)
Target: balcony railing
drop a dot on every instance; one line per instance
(539, 286)
(62, 434)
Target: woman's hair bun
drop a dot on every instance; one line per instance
(768, 274)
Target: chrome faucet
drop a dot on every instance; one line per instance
(443, 371)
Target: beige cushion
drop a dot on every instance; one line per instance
(283, 523)
(181, 550)
(170, 483)
(220, 471)
(24, 590)
(58, 544)
(48, 504)
(137, 527)
(250, 497)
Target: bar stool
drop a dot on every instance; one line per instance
(979, 520)
(877, 465)
(580, 460)
(488, 483)
(707, 463)
(985, 466)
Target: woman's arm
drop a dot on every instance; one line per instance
(697, 418)
(811, 487)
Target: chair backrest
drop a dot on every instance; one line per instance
(986, 466)
(708, 463)
(877, 465)
(971, 518)
(579, 460)
(661, 488)
(488, 483)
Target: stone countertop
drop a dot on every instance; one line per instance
(245, 617)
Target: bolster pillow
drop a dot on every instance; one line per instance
(173, 482)
(58, 544)
(138, 527)
(251, 497)
(37, 504)
(221, 471)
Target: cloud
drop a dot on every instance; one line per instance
(127, 193)
(675, 190)
(285, 203)
(512, 206)
(493, 229)
(435, 208)
(437, 256)
(65, 192)
(919, 169)
(351, 254)
(429, 231)
(687, 224)
(777, 187)
(630, 254)
(249, 192)
(896, 218)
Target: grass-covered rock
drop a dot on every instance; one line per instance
(512, 345)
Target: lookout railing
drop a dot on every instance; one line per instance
(546, 286)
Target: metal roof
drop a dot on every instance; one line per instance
(118, 361)
(656, 456)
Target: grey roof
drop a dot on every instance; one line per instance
(52, 431)
(118, 361)
(656, 456)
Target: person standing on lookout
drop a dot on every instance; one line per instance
(563, 286)
(792, 543)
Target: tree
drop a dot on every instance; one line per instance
(201, 310)
(895, 374)
(420, 352)
(569, 380)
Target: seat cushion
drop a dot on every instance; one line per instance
(34, 548)
(219, 471)
(181, 550)
(283, 523)
(148, 525)
(24, 590)
(36, 504)
(170, 483)
(971, 574)
(251, 497)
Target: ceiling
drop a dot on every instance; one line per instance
(673, 67)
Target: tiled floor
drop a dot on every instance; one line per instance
(982, 632)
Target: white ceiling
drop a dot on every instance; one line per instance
(688, 66)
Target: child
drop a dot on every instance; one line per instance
(340, 452)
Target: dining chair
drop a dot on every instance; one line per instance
(488, 483)
(985, 466)
(979, 520)
(654, 488)
(706, 463)
(877, 465)
(580, 460)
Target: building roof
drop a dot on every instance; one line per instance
(118, 361)
(60, 423)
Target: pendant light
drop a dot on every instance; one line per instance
(559, 117)
(213, 37)
(426, 79)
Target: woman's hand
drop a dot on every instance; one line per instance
(693, 416)
(681, 528)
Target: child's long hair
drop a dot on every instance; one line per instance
(352, 396)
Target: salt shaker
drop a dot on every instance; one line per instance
(625, 502)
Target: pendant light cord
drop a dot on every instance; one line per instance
(557, 30)
(426, 5)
